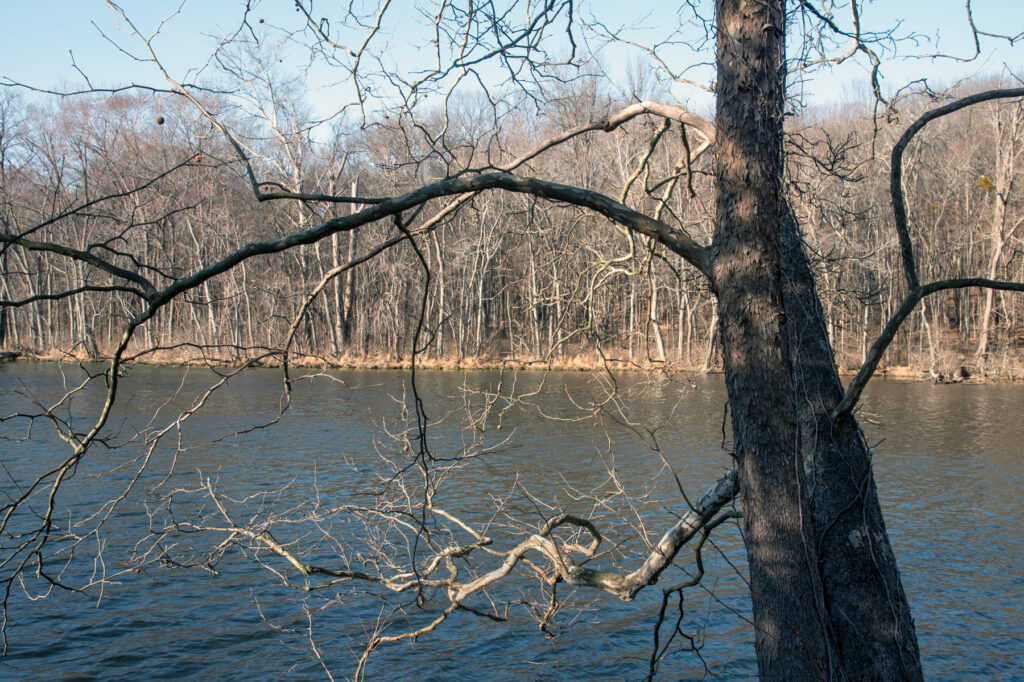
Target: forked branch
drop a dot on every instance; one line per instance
(916, 291)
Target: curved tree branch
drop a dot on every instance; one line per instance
(148, 290)
(899, 204)
(677, 240)
(916, 290)
(856, 387)
(67, 294)
(625, 586)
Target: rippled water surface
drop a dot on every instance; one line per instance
(948, 462)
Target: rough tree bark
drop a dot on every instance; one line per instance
(827, 598)
(871, 631)
(790, 633)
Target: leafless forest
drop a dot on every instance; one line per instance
(511, 277)
(512, 200)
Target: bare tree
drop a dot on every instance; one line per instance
(828, 601)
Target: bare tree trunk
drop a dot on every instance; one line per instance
(214, 333)
(1006, 137)
(248, 305)
(868, 613)
(349, 310)
(535, 304)
(689, 331)
(463, 322)
(337, 329)
(479, 329)
(864, 336)
(998, 221)
(932, 369)
(680, 323)
(441, 292)
(632, 316)
(789, 613)
(508, 321)
(709, 356)
(652, 315)
(6, 293)
(556, 321)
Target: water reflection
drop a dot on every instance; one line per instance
(948, 464)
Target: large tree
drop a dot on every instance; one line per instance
(827, 597)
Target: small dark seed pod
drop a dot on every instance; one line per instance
(159, 120)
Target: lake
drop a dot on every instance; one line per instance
(947, 460)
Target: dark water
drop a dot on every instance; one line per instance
(948, 463)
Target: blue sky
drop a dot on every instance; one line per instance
(39, 36)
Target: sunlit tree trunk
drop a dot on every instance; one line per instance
(789, 619)
(872, 633)
(652, 316)
(1006, 150)
(826, 595)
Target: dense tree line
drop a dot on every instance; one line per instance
(509, 277)
(539, 217)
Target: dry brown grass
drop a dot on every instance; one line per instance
(582, 362)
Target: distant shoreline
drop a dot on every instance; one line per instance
(576, 363)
